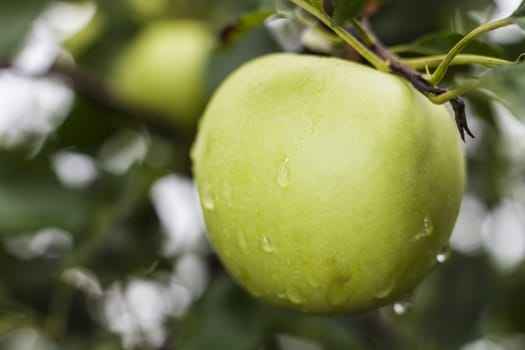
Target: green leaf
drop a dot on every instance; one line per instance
(10, 321)
(16, 18)
(318, 4)
(225, 319)
(442, 42)
(243, 25)
(504, 83)
(340, 11)
(31, 198)
(519, 15)
(256, 43)
(324, 331)
(345, 10)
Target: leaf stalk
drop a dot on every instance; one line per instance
(441, 70)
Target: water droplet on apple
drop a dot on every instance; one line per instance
(266, 245)
(385, 291)
(206, 197)
(428, 226)
(242, 242)
(443, 255)
(338, 291)
(427, 229)
(402, 307)
(293, 294)
(283, 179)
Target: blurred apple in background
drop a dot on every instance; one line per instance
(164, 69)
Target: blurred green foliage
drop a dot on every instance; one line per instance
(115, 232)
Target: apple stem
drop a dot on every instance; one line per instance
(435, 94)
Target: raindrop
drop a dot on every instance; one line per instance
(402, 307)
(443, 255)
(283, 179)
(266, 245)
(428, 228)
(293, 294)
(206, 197)
(386, 290)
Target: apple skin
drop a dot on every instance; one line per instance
(326, 186)
(164, 69)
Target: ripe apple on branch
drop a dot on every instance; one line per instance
(330, 186)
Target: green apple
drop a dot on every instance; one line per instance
(81, 41)
(147, 9)
(164, 69)
(326, 186)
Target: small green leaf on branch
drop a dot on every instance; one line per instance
(246, 23)
(345, 10)
(441, 42)
(505, 83)
(342, 11)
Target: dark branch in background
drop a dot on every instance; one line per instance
(416, 79)
(99, 92)
(328, 7)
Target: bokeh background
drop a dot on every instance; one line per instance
(102, 243)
